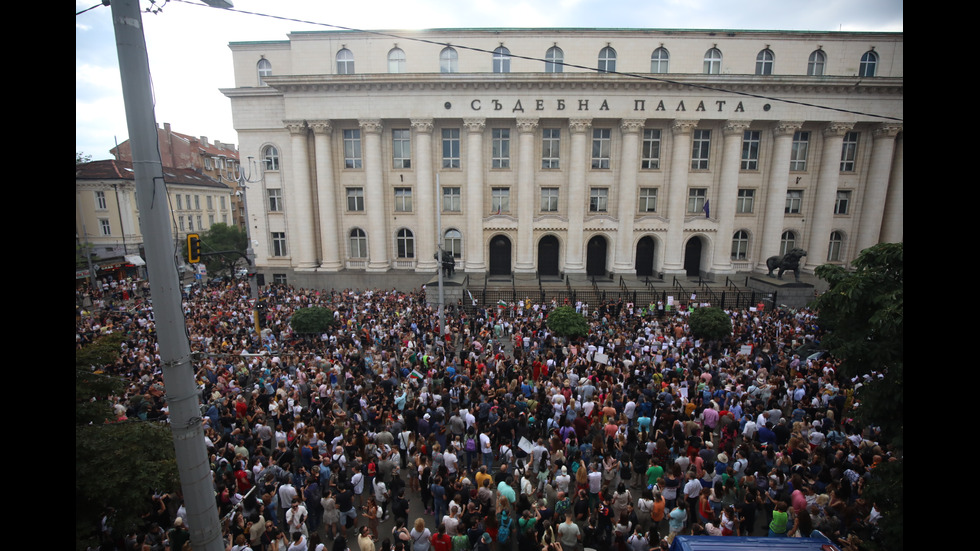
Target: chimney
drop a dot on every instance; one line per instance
(204, 140)
(166, 127)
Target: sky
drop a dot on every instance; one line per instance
(187, 42)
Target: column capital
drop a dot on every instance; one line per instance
(475, 125)
(887, 130)
(836, 129)
(735, 128)
(783, 128)
(526, 126)
(321, 127)
(631, 126)
(371, 126)
(295, 127)
(578, 126)
(423, 126)
(680, 127)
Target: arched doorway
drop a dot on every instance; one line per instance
(644, 256)
(692, 257)
(500, 255)
(595, 263)
(548, 256)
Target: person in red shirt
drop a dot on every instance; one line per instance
(441, 541)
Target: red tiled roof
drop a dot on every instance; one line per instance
(111, 169)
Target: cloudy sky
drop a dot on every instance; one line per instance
(190, 59)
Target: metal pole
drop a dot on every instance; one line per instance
(178, 371)
(442, 293)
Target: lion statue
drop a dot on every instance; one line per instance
(787, 262)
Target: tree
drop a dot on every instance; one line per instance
(312, 320)
(564, 321)
(82, 158)
(223, 246)
(712, 324)
(117, 464)
(863, 314)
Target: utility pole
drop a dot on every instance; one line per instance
(175, 354)
(442, 293)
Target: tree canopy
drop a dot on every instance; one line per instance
(312, 320)
(230, 241)
(710, 323)
(564, 321)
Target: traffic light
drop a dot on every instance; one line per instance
(193, 248)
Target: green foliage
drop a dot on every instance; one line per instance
(712, 324)
(313, 320)
(82, 158)
(564, 321)
(230, 241)
(863, 311)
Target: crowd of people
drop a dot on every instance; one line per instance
(496, 435)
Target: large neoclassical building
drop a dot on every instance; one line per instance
(569, 150)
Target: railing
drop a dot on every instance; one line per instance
(404, 264)
(356, 264)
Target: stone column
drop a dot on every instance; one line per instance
(734, 133)
(893, 225)
(876, 188)
(301, 240)
(629, 163)
(577, 194)
(326, 197)
(374, 197)
(425, 241)
(772, 223)
(474, 195)
(680, 165)
(822, 218)
(525, 195)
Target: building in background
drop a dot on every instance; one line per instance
(569, 150)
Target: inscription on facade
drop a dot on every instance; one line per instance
(583, 105)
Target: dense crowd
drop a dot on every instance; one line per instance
(498, 434)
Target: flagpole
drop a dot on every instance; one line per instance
(442, 295)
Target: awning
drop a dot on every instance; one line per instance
(135, 260)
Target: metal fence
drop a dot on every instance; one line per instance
(729, 298)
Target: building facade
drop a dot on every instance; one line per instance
(570, 150)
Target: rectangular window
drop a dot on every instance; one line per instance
(750, 150)
(278, 243)
(180, 222)
(403, 199)
(180, 202)
(848, 152)
(550, 147)
(221, 201)
(450, 148)
(279, 279)
(549, 199)
(210, 201)
(452, 199)
(601, 144)
(599, 199)
(187, 200)
(499, 200)
(801, 146)
(745, 202)
(695, 199)
(275, 200)
(210, 220)
(355, 199)
(352, 148)
(794, 201)
(197, 202)
(651, 149)
(401, 148)
(648, 199)
(224, 218)
(700, 149)
(500, 153)
(190, 223)
(200, 225)
(100, 202)
(105, 227)
(843, 202)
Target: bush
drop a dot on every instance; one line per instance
(313, 320)
(564, 321)
(710, 323)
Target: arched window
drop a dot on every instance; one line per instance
(501, 60)
(345, 62)
(396, 60)
(740, 245)
(553, 60)
(265, 70)
(405, 244)
(659, 61)
(816, 63)
(787, 242)
(453, 243)
(764, 62)
(836, 245)
(869, 64)
(607, 60)
(712, 62)
(448, 60)
(358, 243)
(271, 155)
